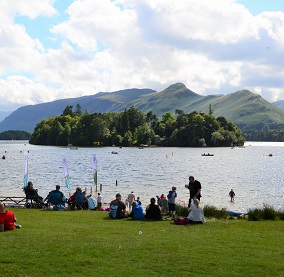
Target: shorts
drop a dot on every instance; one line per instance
(172, 207)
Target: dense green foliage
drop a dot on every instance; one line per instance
(88, 243)
(267, 213)
(15, 135)
(264, 135)
(132, 127)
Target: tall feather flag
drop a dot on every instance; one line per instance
(26, 168)
(65, 169)
(95, 172)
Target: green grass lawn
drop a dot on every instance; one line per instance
(88, 243)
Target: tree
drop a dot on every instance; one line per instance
(125, 122)
(78, 110)
(211, 109)
(132, 127)
(68, 110)
(136, 118)
(169, 120)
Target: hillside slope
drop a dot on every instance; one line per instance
(25, 118)
(244, 108)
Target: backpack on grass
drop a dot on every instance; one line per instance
(114, 210)
(181, 220)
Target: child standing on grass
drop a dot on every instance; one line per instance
(99, 201)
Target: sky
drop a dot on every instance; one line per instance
(54, 49)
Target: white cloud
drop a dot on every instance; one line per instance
(210, 46)
(30, 8)
(23, 91)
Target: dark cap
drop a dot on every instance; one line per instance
(118, 195)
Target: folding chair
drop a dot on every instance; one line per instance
(55, 200)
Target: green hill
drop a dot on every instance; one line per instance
(244, 108)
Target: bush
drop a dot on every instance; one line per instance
(254, 214)
(182, 210)
(211, 211)
(280, 214)
(269, 213)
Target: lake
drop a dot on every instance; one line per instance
(255, 177)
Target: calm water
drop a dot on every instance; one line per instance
(255, 177)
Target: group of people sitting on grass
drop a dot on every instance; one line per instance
(118, 209)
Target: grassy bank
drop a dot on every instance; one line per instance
(88, 243)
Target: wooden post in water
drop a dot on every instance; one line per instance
(116, 182)
(101, 186)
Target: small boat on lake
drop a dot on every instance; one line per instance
(71, 147)
(114, 152)
(207, 154)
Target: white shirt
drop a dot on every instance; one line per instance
(131, 197)
(195, 214)
(99, 199)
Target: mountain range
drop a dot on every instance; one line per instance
(244, 108)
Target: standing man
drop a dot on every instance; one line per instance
(194, 187)
(7, 219)
(232, 195)
(131, 198)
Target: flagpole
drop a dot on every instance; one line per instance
(26, 169)
(95, 173)
(65, 170)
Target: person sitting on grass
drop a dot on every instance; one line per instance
(153, 211)
(7, 219)
(92, 202)
(78, 199)
(120, 212)
(55, 197)
(196, 214)
(137, 211)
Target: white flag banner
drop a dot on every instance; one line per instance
(65, 169)
(94, 166)
(26, 168)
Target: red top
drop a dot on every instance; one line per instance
(7, 219)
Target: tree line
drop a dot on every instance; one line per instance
(15, 135)
(133, 128)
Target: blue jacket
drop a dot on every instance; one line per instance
(138, 213)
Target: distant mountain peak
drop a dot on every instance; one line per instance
(177, 86)
(179, 89)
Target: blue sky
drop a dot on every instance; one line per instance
(258, 6)
(53, 49)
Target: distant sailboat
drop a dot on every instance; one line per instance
(69, 145)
